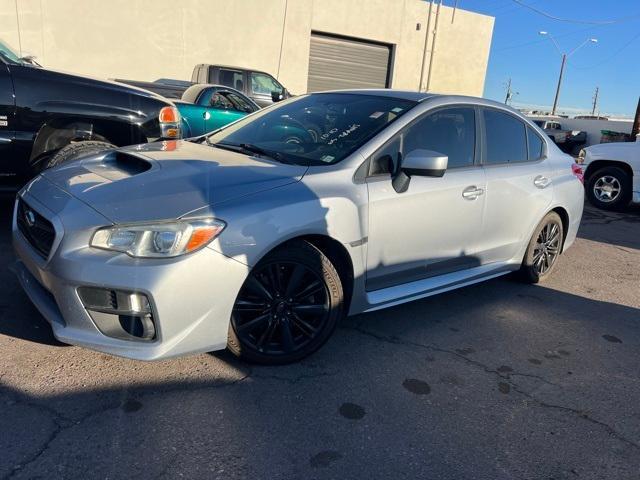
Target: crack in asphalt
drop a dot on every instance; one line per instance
(63, 423)
(296, 379)
(580, 413)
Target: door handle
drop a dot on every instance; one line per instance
(541, 181)
(472, 192)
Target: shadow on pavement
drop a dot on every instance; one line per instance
(596, 226)
(428, 377)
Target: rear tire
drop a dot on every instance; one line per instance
(609, 188)
(76, 150)
(543, 250)
(287, 308)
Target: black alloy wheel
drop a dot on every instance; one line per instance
(287, 308)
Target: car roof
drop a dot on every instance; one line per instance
(386, 92)
(235, 67)
(422, 96)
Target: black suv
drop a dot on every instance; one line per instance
(47, 117)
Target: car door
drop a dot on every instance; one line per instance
(262, 86)
(431, 228)
(7, 113)
(519, 189)
(7, 130)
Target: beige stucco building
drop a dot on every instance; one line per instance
(408, 44)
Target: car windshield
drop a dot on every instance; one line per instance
(9, 55)
(540, 123)
(316, 129)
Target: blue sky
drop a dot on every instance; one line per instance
(533, 63)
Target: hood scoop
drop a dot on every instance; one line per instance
(117, 165)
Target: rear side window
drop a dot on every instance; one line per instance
(505, 138)
(535, 145)
(451, 131)
(230, 78)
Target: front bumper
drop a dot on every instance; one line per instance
(192, 296)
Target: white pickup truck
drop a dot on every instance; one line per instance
(567, 140)
(611, 174)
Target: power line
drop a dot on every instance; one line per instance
(535, 42)
(609, 57)
(570, 20)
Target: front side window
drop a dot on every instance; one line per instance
(535, 145)
(451, 131)
(241, 103)
(219, 100)
(505, 138)
(264, 84)
(316, 129)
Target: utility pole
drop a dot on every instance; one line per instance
(510, 92)
(595, 101)
(636, 123)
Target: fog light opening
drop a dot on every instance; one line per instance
(119, 314)
(138, 326)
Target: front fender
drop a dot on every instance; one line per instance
(186, 128)
(259, 223)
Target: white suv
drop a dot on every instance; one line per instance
(612, 174)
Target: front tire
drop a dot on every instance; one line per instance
(287, 308)
(609, 188)
(543, 250)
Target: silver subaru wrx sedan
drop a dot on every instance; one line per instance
(260, 236)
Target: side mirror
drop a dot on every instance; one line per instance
(277, 96)
(423, 163)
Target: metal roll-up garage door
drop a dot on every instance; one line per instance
(338, 63)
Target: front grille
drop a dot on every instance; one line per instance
(38, 231)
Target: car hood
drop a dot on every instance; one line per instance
(167, 180)
(85, 80)
(609, 149)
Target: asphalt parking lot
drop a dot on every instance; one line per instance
(496, 381)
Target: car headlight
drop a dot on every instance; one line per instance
(158, 240)
(581, 156)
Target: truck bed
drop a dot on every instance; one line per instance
(171, 89)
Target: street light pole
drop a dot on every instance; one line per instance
(555, 100)
(564, 62)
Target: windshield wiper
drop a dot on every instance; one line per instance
(248, 148)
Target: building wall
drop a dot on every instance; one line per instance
(150, 39)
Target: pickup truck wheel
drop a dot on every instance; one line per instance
(609, 188)
(75, 150)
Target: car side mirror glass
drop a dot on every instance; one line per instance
(422, 163)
